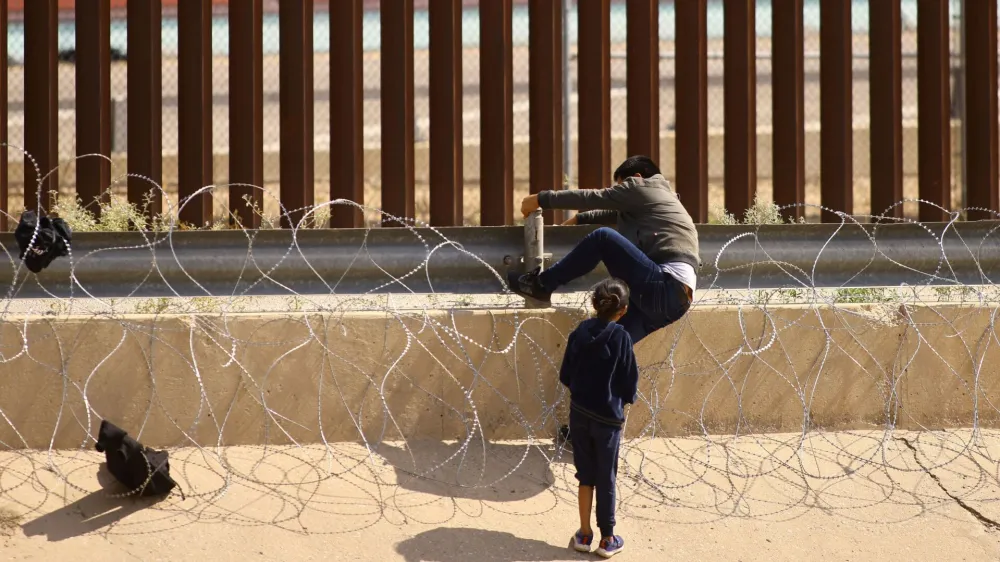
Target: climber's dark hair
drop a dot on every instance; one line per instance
(638, 164)
(609, 298)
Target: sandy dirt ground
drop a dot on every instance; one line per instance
(831, 496)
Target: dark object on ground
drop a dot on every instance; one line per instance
(52, 241)
(134, 465)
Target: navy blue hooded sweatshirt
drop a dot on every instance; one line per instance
(600, 370)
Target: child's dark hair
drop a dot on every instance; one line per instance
(642, 165)
(609, 298)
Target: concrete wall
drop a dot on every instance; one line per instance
(172, 380)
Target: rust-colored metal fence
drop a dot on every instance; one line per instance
(479, 69)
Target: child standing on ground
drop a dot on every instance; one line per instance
(600, 369)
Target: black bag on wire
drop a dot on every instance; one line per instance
(131, 463)
(51, 242)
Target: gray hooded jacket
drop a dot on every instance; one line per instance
(646, 211)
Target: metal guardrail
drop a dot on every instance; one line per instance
(349, 261)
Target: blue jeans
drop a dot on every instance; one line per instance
(595, 456)
(657, 298)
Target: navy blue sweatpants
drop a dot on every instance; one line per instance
(595, 456)
(657, 299)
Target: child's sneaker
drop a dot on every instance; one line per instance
(610, 547)
(581, 542)
(527, 285)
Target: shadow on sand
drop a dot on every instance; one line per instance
(459, 545)
(504, 472)
(90, 513)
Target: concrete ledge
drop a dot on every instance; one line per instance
(251, 378)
